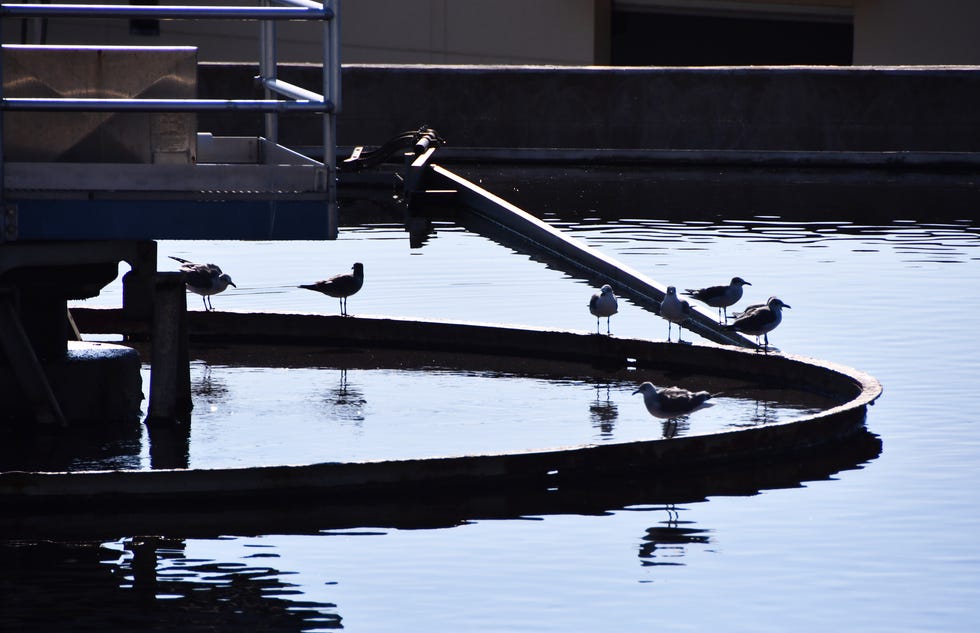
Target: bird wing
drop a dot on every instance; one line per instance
(707, 294)
(755, 320)
(678, 399)
(200, 276)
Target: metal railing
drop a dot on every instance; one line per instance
(297, 98)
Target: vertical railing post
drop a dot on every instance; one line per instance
(331, 92)
(3, 183)
(268, 71)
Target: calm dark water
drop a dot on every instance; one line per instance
(881, 540)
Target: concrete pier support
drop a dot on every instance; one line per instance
(170, 382)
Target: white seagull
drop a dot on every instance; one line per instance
(671, 401)
(759, 320)
(603, 304)
(720, 297)
(675, 311)
(340, 286)
(204, 279)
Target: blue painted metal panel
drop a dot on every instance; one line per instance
(170, 219)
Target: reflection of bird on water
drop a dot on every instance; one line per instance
(720, 297)
(603, 304)
(675, 311)
(340, 286)
(204, 279)
(670, 541)
(670, 401)
(604, 413)
(347, 402)
(759, 320)
(211, 389)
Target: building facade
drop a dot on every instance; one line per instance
(578, 32)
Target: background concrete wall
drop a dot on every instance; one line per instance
(751, 108)
(916, 32)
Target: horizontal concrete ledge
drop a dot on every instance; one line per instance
(786, 108)
(701, 158)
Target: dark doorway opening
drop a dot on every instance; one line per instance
(641, 38)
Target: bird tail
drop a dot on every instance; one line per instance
(307, 287)
(182, 261)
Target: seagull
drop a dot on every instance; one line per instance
(603, 304)
(204, 279)
(340, 286)
(670, 401)
(720, 296)
(759, 320)
(674, 310)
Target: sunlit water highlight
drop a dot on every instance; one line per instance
(889, 547)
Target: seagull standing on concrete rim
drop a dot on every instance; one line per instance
(603, 304)
(670, 401)
(760, 320)
(341, 286)
(720, 296)
(675, 311)
(204, 279)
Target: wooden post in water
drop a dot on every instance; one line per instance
(170, 382)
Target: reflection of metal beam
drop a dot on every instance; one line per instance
(538, 237)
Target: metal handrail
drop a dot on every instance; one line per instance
(297, 11)
(301, 99)
(70, 104)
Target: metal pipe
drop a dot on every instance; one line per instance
(301, 3)
(167, 12)
(292, 91)
(164, 105)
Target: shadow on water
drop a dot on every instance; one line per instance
(148, 583)
(130, 569)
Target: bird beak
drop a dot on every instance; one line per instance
(635, 392)
(232, 283)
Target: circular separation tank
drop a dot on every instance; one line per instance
(453, 479)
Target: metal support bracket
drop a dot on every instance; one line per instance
(8, 223)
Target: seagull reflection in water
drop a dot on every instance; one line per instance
(346, 401)
(667, 543)
(603, 412)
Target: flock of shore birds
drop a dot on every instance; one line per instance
(667, 402)
(756, 320)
